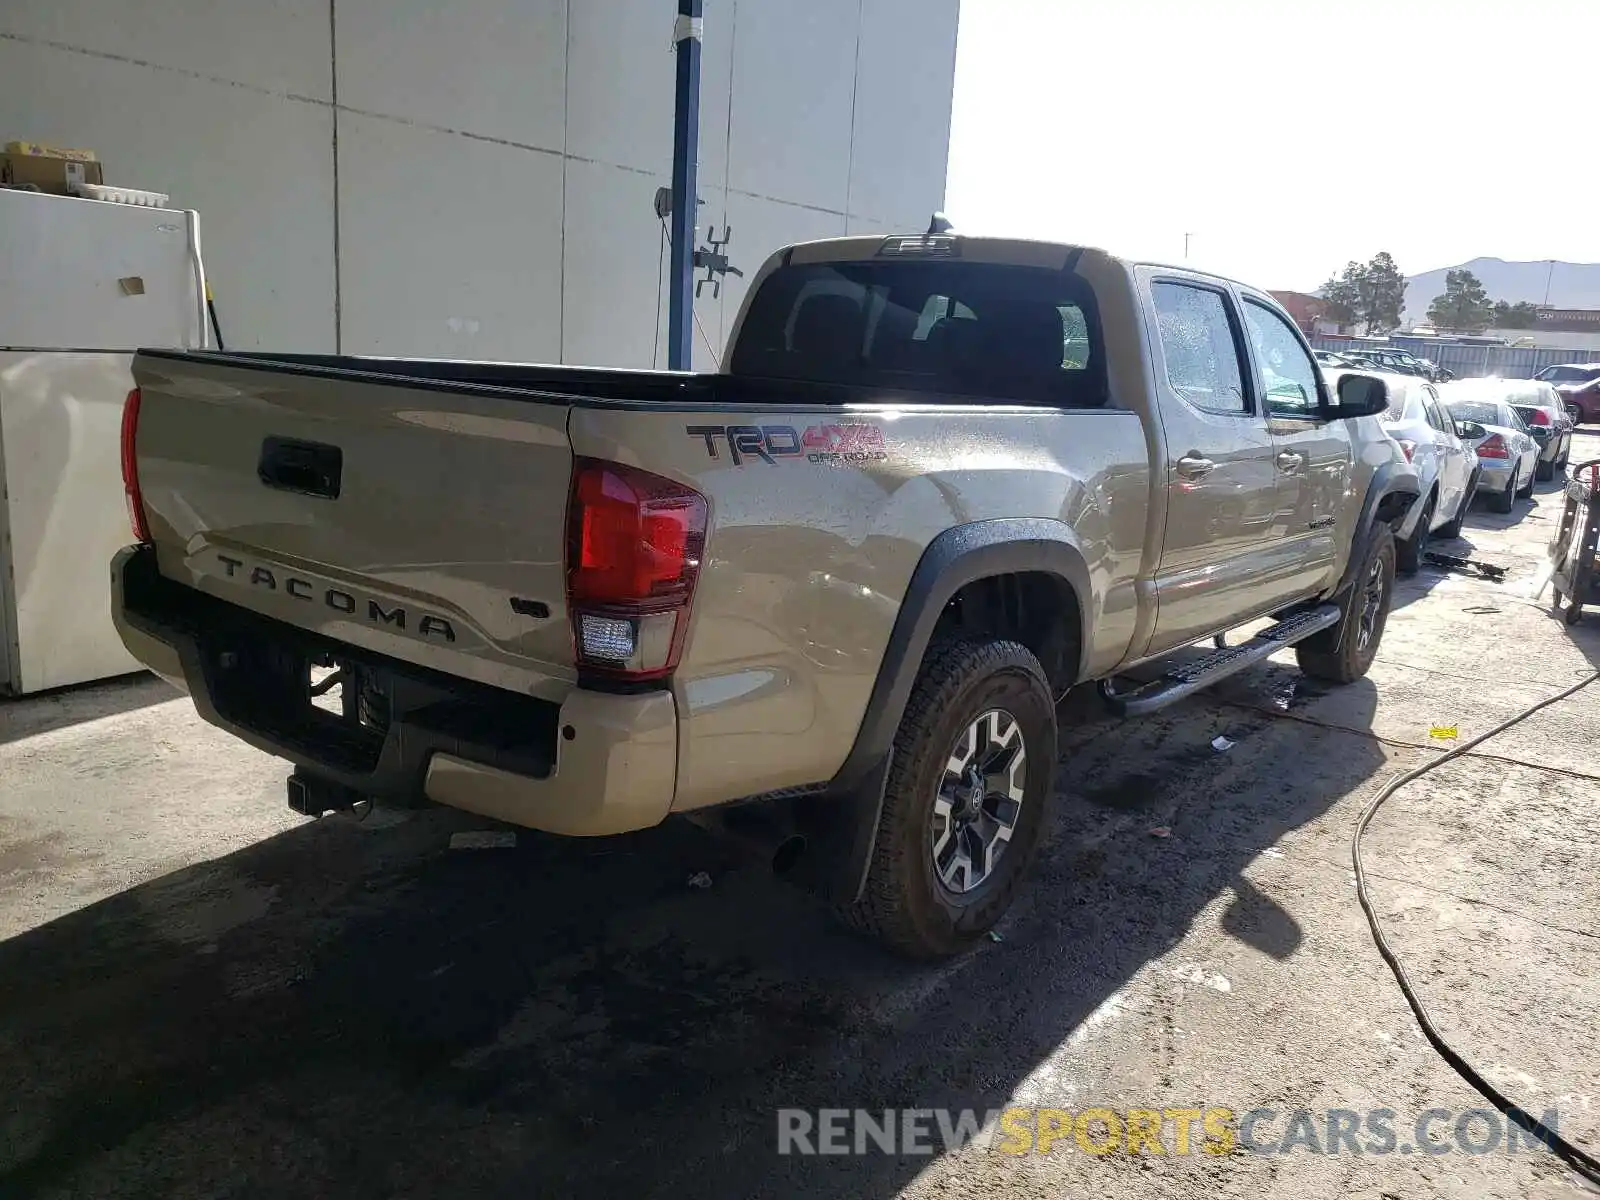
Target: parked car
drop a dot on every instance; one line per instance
(1542, 412)
(1400, 362)
(1446, 467)
(1540, 407)
(1435, 372)
(1579, 385)
(1508, 457)
(846, 576)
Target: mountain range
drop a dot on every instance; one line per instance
(1569, 285)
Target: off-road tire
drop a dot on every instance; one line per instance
(904, 904)
(1504, 502)
(1335, 653)
(1408, 553)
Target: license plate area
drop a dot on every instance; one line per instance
(316, 701)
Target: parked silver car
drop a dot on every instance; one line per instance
(1507, 455)
(1445, 464)
(1539, 405)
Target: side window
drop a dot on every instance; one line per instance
(1430, 407)
(1288, 376)
(1198, 346)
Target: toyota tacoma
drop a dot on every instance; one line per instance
(828, 596)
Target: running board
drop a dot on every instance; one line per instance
(1188, 678)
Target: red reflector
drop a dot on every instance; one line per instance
(130, 467)
(1493, 446)
(634, 542)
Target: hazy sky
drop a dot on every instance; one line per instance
(1470, 127)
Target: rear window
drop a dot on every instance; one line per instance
(1010, 334)
(1525, 411)
(1483, 414)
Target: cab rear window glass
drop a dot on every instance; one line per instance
(1008, 334)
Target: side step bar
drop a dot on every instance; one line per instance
(1188, 678)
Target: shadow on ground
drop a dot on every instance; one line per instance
(358, 1010)
(46, 712)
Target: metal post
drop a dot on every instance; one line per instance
(685, 201)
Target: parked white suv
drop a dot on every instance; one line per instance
(1445, 464)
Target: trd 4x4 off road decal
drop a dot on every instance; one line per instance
(851, 444)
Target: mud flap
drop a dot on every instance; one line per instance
(841, 831)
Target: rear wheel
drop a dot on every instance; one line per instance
(965, 805)
(1408, 554)
(1503, 502)
(1544, 472)
(1526, 491)
(1345, 652)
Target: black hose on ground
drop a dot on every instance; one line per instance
(1584, 1163)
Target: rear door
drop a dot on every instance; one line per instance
(1219, 544)
(1311, 456)
(1455, 461)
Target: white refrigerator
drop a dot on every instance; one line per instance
(83, 283)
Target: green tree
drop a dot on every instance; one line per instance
(1463, 306)
(1383, 295)
(1342, 295)
(1371, 294)
(1521, 315)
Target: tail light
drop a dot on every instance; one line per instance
(1493, 446)
(130, 467)
(634, 542)
(1407, 445)
(1540, 417)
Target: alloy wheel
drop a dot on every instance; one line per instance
(979, 801)
(1372, 596)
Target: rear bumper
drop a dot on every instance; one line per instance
(1495, 473)
(595, 764)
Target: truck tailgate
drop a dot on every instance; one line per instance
(420, 522)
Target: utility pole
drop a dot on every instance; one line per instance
(1548, 275)
(686, 35)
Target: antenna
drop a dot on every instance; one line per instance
(939, 224)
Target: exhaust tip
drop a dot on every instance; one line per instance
(787, 854)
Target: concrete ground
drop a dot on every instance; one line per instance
(202, 995)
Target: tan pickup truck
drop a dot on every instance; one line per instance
(828, 596)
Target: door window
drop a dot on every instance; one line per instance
(1430, 406)
(1288, 374)
(1199, 347)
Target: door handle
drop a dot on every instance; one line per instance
(310, 468)
(1192, 466)
(1288, 460)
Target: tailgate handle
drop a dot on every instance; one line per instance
(309, 468)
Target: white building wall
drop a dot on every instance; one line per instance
(474, 179)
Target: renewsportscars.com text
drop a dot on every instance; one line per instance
(1213, 1130)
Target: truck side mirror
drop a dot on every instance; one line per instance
(1358, 396)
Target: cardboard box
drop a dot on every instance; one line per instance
(48, 173)
(40, 150)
